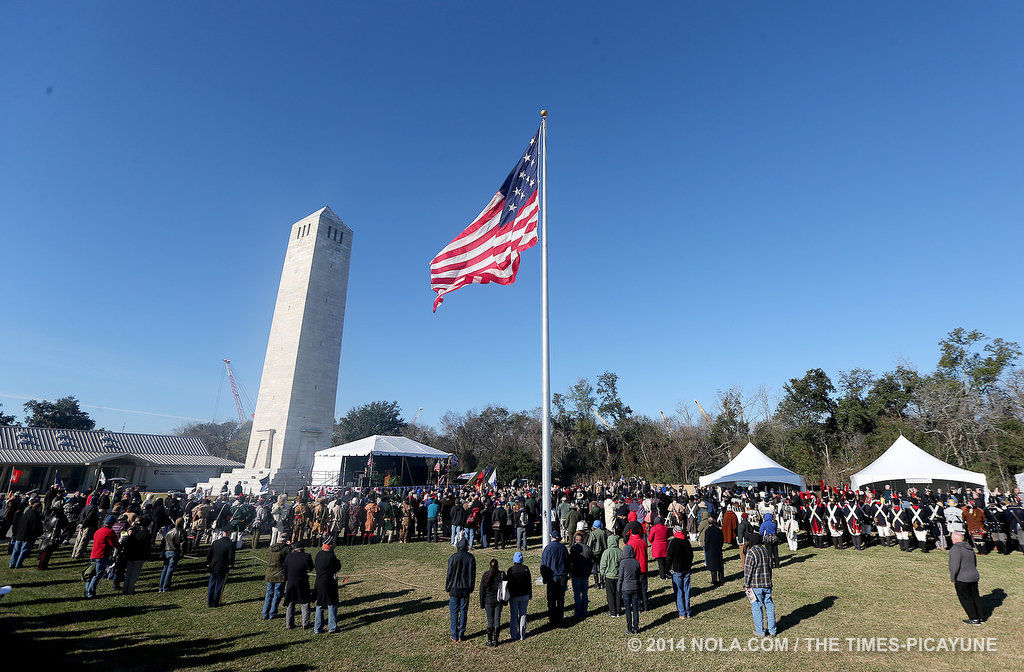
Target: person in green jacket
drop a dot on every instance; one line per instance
(609, 571)
(598, 542)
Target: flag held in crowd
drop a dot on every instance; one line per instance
(488, 249)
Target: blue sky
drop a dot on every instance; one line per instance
(738, 192)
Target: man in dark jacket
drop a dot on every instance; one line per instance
(629, 588)
(276, 555)
(459, 584)
(219, 560)
(713, 560)
(326, 588)
(581, 563)
(963, 572)
(88, 523)
(554, 570)
(680, 561)
(297, 566)
(27, 528)
(520, 591)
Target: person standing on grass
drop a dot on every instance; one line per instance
(757, 583)
(554, 571)
(219, 560)
(458, 584)
(522, 521)
(135, 547)
(172, 547)
(629, 588)
(489, 602)
(639, 545)
(276, 555)
(326, 588)
(679, 558)
(520, 591)
(581, 564)
(104, 542)
(769, 532)
(27, 528)
(713, 558)
(297, 567)
(963, 572)
(609, 571)
(88, 522)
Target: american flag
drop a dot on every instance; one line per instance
(488, 249)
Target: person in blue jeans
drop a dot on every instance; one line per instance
(581, 564)
(26, 531)
(680, 562)
(520, 590)
(326, 588)
(275, 578)
(172, 543)
(459, 584)
(757, 582)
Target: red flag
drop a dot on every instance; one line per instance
(16, 475)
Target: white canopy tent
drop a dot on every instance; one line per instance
(329, 464)
(751, 465)
(904, 461)
(1020, 480)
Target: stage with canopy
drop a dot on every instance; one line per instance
(374, 460)
(904, 465)
(752, 466)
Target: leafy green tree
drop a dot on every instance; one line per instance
(6, 420)
(377, 417)
(224, 439)
(64, 413)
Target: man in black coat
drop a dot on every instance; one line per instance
(219, 560)
(297, 567)
(713, 541)
(27, 528)
(326, 588)
(88, 523)
(458, 584)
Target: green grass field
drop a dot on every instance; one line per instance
(394, 616)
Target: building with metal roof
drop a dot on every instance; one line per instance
(158, 462)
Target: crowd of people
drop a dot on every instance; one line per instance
(603, 535)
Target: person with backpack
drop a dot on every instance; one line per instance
(492, 596)
(172, 548)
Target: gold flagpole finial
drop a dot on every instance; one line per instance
(543, 113)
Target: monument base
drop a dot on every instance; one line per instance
(282, 481)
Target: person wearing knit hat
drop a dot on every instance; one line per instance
(520, 591)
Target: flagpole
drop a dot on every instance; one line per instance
(545, 448)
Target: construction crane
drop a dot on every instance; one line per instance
(234, 391)
(702, 411)
(417, 416)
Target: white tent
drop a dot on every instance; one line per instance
(904, 461)
(329, 463)
(751, 465)
(1020, 480)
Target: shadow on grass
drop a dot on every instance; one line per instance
(992, 601)
(138, 651)
(794, 559)
(793, 618)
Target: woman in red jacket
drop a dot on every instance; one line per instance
(659, 546)
(640, 546)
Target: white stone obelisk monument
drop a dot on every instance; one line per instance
(295, 408)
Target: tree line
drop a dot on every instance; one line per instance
(968, 410)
